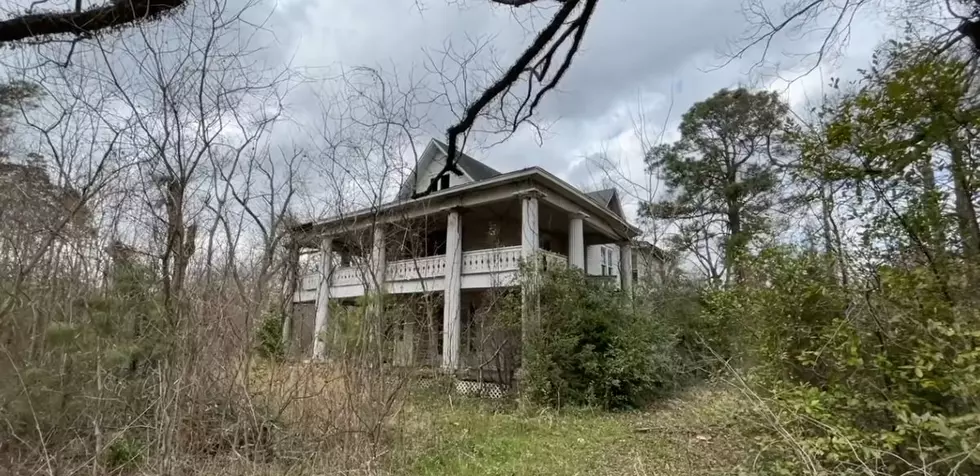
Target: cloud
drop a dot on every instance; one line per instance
(642, 64)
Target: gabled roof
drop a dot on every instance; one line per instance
(608, 198)
(654, 250)
(453, 194)
(603, 196)
(475, 169)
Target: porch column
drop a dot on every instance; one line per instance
(530, 304)
(626, 267)
(576, 242)
(529, 226)
(322, 301)
(378, 261)
(375, 286)
(451, 321)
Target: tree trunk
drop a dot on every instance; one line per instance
(831, 234)
(736, 242)
(966, 213)
(179, 247)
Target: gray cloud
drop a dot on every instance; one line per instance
(632, 48)
(649, 57)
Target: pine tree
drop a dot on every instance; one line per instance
(721, 176)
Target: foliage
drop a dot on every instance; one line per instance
(124, 453)
(109, 340)
(879, 383)
(861, 358)
(13, 96)
(593, 348)
(270, 342)
(677, 305)
(722, 169)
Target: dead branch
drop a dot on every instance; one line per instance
(116, 14)
(541, 53)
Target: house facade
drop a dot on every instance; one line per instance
(458, 247)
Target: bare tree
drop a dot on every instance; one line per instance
(542, 65)
(943, 24)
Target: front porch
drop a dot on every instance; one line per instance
(411, 332)
(452, 249)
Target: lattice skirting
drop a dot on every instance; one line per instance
(470, 388)
(480, 389)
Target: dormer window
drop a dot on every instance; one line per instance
(444, 182)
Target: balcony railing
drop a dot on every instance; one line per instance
(552, 260)
(493, 262)
(416, 268)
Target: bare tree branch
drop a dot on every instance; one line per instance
(116, 14)
(556, 33)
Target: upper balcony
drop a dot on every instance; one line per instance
(481, 269)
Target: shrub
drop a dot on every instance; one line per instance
(877, 381)
(123, 453)
(270, 342)
(592, 348)
(677, 307)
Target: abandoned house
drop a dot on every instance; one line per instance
(444, 259)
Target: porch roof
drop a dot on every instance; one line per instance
(453, 197)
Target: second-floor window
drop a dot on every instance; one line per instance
(606, 263)
(444, 182)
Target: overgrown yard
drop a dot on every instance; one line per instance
(693, 433)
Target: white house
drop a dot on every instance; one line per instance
(466, 238)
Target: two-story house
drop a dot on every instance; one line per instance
(467, 238)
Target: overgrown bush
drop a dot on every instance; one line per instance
(882, 381)
(677, 306)
(593, 348)
(270, 343)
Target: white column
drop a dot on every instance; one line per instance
(576, 242)
(378, 261)
(529, 227)
(451, 321)
(530, 308)
(322, 302)
(375, 287)
(626, 266)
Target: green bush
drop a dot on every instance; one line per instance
(270, 343)
(881, 380)
(677, 307)
(592, 348)
(123, 453)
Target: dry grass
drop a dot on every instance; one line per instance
(309, 418)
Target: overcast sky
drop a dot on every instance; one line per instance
(638, 57)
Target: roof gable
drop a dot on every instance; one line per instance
(431, 162)
(608, 198)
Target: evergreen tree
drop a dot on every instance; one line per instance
(721, 175)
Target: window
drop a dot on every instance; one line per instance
(608, 261)
(444, 182)
(605, 261)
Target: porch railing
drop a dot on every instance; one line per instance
(487, 261)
